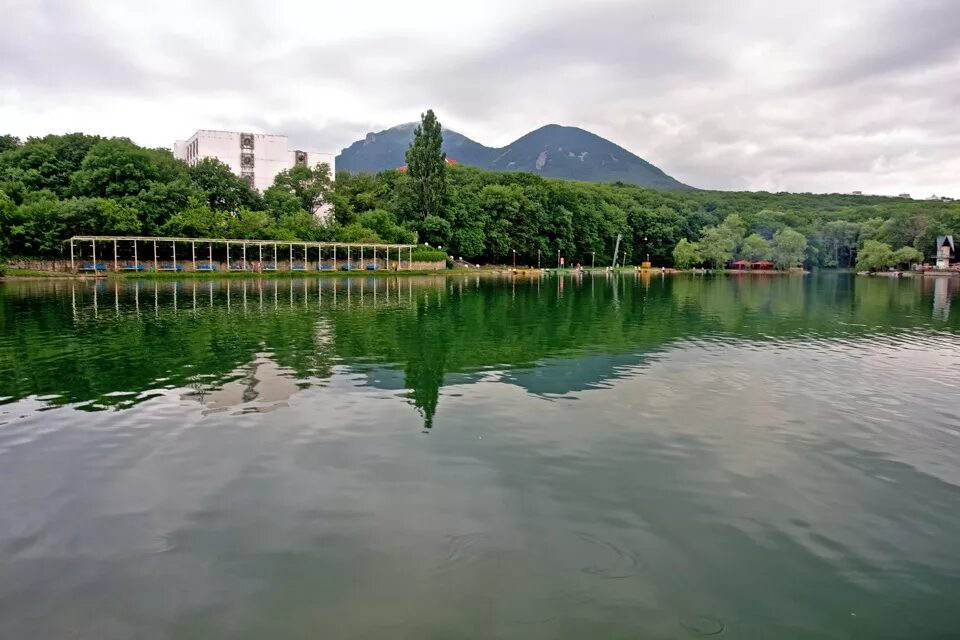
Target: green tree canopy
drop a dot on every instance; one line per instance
(427, 166)
(311, 186)
(687, 254)
(756, 247)
(907, 256)
(875, 256)
(223, 189)
(717, 246)
(789, 248)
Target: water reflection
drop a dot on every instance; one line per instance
(127, 339)
(611, 457)
(942, 293)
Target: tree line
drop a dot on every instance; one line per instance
(57, 186)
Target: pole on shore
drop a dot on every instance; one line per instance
(136, 260)
(193, 259)
(244, 257)
(72, 267)
(94, 244)
(156, 265)
(115, 265)
(173, 246)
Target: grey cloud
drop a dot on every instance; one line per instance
(56, 47)
(808, 95)
(910, 37)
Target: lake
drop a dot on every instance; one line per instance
(480, 457)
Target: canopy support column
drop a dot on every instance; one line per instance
(136, 261)
(193, 259)
(116, 265)
(156, 264)
(173, 246)
(72, 266)
(244, 258)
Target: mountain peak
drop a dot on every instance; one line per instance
(552, 150)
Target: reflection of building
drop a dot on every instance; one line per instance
(941, 297)
(946, 252)
(263, 385)
(256, 157)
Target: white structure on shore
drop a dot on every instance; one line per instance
(256, 157)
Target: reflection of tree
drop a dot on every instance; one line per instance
(426, 349)
(427, 328)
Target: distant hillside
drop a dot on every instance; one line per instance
(553, 151)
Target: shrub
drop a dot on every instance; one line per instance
(427, 254)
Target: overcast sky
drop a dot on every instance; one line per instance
(806, 95)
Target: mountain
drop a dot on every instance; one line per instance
(552, 151)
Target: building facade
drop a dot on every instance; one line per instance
(256, 157)
(946, 252)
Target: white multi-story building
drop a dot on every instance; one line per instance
(256, 157)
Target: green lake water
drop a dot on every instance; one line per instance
(463, 457)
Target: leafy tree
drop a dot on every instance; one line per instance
(427, 165)
(686, 254)
(436, 231)
(735, 228)
(163, 200)
(32, 229)
(357, 233)
(717, 246)
(385, 226)
(906, 256)
(115, 168)
(198, 220)
(8, 142)
(311, 186)
(90, 216)
(249, 225)
(756, 247)
(840, 240)
(7, 211)
(789, 248)
(875, 256)
(223, 189)
(300, 225)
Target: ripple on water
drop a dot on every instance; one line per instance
(702, 625)
(605, 559)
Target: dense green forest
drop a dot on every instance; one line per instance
(62, 185)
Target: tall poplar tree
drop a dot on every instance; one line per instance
(427, 165)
